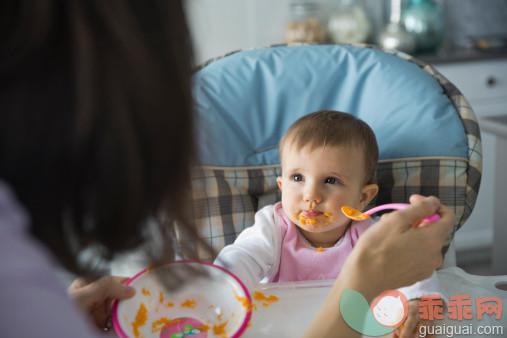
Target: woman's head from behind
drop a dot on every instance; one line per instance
(96, 133)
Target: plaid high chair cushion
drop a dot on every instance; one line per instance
(427, 133)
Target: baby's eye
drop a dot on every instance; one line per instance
(332, 180)
(297, 178)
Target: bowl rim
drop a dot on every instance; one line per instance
(242, 328)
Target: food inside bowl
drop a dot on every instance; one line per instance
(214, 304)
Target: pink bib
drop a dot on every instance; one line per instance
(299, 261)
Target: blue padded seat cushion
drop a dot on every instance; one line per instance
(247, 100)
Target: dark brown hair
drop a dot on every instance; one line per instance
(96, 120)
(333, 128)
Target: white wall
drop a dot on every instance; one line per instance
(221, 26)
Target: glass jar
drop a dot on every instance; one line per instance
(349, 22)
(425, 21)
(394, 35)
(304, 24)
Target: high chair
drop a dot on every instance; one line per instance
(428, 135)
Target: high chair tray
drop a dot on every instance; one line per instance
(299, 302)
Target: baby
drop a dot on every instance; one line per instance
(328, 161)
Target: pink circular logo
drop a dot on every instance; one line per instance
(390, 308)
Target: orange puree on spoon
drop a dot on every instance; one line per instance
(354, 214)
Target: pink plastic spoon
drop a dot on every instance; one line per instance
(360, 216)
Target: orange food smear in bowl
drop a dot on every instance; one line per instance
(163, 322)
(189, 303)
(203, 328)
(140, 320)
(220, 329)
(244, 301)
(151, 267)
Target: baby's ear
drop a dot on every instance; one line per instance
(279, 181)
(367, 193)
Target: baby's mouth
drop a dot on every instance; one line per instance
(311, 217)
(311, 213)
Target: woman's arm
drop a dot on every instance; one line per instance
(391, 254)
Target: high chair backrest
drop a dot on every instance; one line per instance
(427, 133)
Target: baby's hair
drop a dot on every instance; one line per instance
(333, 128)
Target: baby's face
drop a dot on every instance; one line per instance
(316, 184)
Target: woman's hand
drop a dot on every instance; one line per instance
(96, 298)
(394, 252)
(398, 250)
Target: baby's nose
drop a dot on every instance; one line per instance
(312, 196)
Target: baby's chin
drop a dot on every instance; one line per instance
(318, 226)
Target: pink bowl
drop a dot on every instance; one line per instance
(215, 305)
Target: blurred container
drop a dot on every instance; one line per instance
(394, 35)
(304, 24)
(425, 21)
(349, 22)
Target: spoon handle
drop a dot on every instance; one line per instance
(399, 206)
(389, 206)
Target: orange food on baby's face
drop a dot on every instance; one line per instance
(319, 249)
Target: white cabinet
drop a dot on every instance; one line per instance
(484, 84)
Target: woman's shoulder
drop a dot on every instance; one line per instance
(28, 281)
(13, 216)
